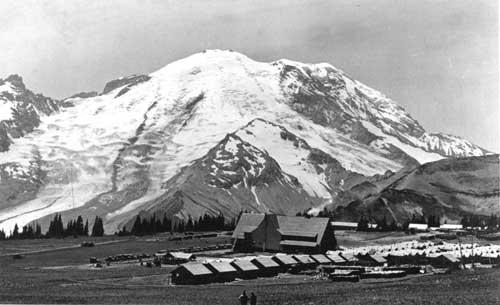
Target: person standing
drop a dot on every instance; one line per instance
(243, 298)
(253, 299)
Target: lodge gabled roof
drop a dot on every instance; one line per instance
(295, 231)
(303, 227)
(248, 223)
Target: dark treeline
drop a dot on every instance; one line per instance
(149, 226)
(384, 224)
(74, 228)
(492, 221)
(27, 232)
(57, 229)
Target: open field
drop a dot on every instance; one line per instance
(125, 244)
(64, 276)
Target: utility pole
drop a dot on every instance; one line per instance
(460, 249)
(265, 231)
(472, 249)
(71, 182)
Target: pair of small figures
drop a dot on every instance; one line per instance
(243, 298)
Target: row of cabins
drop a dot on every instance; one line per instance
(263, 266)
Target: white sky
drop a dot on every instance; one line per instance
(438, 59)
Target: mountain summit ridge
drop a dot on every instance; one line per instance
(115, 153)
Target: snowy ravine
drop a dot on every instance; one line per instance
(113, 153)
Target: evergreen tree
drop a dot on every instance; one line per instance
(79, 228)
(15, 233)
(465, 221)
(145, 226)
(98, 228)
(189, 224)
(363, 224)
(38, 231)
(86, 228)
(60, 226)
(27, 232)
(137, 227)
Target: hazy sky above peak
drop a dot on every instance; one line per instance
(438, 59)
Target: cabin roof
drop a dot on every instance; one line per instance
(222, 267)
(285, 259)
(265, 261)
(244, 265)
(336, 258)
(349, 257)
(181, 255)
(196, 269)
(304, 259)
(320, 258)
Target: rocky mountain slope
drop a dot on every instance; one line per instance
(21, 110)
(215, 131)
(449, 188)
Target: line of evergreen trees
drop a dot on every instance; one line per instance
(27, 232)
(57, 229)
(152, 225)
(492, 221)
(140, 227)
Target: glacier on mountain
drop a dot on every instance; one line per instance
(113, 153)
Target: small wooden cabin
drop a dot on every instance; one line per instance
(224, 271)
(246, 269)
(191, 273)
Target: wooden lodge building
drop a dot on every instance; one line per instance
(277, 233)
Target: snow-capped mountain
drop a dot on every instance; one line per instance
(281, 136)
(20, 110)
